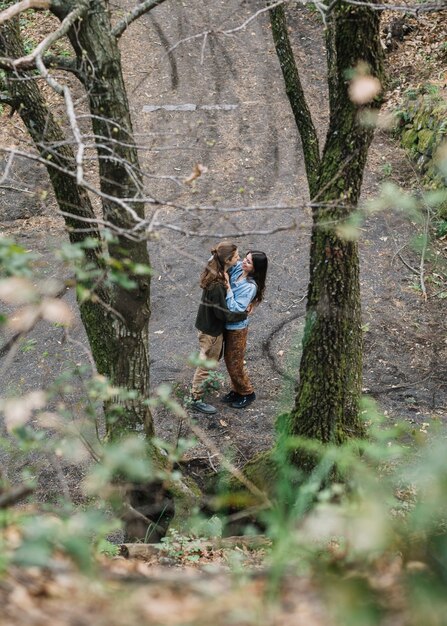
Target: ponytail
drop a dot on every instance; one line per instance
(214, 271)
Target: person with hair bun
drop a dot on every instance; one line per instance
(212, 316)
(245, 289)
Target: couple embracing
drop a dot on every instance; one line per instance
(231, 289)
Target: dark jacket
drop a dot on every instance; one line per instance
(213, 311)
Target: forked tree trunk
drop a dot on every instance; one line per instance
(116, 319)
(329, 388)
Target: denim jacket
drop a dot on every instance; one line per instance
(239, 296)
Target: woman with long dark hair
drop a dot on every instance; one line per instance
(245, 287)
(212, 315)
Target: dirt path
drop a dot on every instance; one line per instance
(253, 156)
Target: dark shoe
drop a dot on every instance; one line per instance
(203, 407)
(244, 401)
(230, 397)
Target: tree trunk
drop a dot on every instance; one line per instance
(120, 177)
(329, 388)
(295, 93)
(115, 318)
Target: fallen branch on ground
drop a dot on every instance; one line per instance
(146, 550)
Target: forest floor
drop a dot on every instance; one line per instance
(253, 158)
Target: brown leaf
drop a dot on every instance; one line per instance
(198, 170)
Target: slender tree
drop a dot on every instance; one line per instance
(328, 392)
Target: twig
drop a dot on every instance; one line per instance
(12, 188)
(391, 388)
(205, 34)
(6, 347)
(15, 9)
(190, 233)
(423, 251)
(228, 465)
(414, 270)
(202, 51)
(133, 514)
(133, 15)
(254, 542)
(8, 166)
(66, 24)
(253, 17)
(415, 10)
(433, 295)
(213, 467)
(79, 344)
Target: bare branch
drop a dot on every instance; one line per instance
(62, 63)
(242, 209)
(322, 8)
(423, 253)
(81, 346)
(12, 188)
(65, 26)
(228, 32)
(412, 269)
(133, 15)
(252, 17)
(121, 202)
(49, 60)
(130, 513)
(10, 344)
(15, 9)
(191, 233)
(414, 10)
(228, 465)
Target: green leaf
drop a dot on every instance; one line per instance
(195, 360)
(37, 553)
(139, 269)
(78, 547)
(83, 294)
(436, 197)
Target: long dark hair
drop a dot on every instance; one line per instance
(259, 273)
(214, 271)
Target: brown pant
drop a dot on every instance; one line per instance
(234, 353)
(210, 349)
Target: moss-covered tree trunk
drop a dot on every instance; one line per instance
(328, 392)
(124, 356)
(116, 318)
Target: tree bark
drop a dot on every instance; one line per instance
(120, 177)
(295, 93)
(329, 388)
(115, 318)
